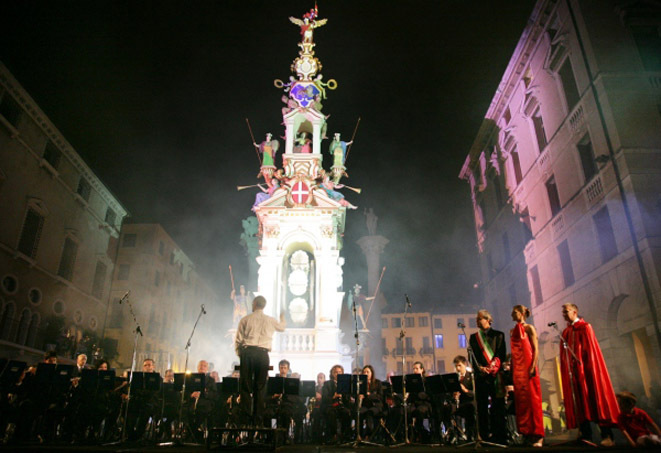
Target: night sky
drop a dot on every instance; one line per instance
(154, 96)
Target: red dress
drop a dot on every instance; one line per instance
(527, 390)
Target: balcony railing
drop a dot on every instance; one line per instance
(594, 190)
(410, 351)
(577, 119)
(297, 341)
(426, 350)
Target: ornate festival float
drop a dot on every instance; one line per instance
(301, 219)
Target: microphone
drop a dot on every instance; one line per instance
(204, 312)
(461, 325)
(124, 297)
(552, 324)
(408, 302)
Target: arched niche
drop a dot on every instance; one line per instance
(299, 284)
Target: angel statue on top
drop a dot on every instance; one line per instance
(268, 148)
(308, 24)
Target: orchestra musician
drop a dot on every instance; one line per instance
(420, 406)
(201, 403)
(462, 402)
(170, 401)
(335, 406)
(315, 408)
(285, 408)
(144, 405)
(371, 405)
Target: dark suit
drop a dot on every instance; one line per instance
(489, 386)
(465, 407)
(372, 406)
(334, 408)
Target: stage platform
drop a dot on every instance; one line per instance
(305, 448)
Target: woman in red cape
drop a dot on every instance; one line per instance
(525, 377)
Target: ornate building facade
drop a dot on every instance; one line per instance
(565, 178)
(59, 226)
(434, 339)
(166, 295)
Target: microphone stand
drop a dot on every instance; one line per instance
(359, 441)
(402, 335)
(478, 443)
(569, 350)
(137, 331)
(178, 436)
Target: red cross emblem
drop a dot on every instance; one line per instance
(300, 193)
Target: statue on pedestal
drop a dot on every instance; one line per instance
(241, 302)
(308, 24)
(356, 298)
(268, 148)
(338, 149)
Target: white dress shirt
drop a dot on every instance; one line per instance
(256, 329)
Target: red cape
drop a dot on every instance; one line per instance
(593, 396)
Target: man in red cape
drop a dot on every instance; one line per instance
(588, 392)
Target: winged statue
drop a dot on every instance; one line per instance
(308, 24)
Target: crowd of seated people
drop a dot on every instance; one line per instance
(83, 404)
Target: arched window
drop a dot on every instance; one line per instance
(33, 328)
(23, 324)
(6, 320)
(298, 288)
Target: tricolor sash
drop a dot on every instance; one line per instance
(487, 352)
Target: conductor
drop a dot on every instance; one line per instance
(253, 343)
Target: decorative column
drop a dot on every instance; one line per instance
(372, 247)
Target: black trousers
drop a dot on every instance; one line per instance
(491, 409)
(252, 383)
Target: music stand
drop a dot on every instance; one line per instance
(45, 374)
(292, 386)
(152, 381)
(194, 382)
(186, 383)
(106, 379)
(354, 385)
(451, 382)
(307, 389)
(11, 372)
(275, 385)
(414, 383)
(62, 377)
(230, 385)
(443, 384)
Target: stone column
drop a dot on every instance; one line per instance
(372, 247)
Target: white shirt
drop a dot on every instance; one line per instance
(256, 329)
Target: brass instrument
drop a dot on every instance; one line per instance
(246, 187)
(355, 189)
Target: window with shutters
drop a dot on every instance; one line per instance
(52, 154)
(31, 233)
(68, 259)
(99, 280)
